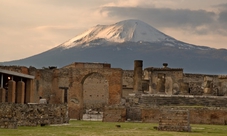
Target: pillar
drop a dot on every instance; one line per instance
(138, 73)
(11, 91)
(20, 92)
(2, 95)
(29, 91)
(1, 81)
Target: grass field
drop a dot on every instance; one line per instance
(88, 128)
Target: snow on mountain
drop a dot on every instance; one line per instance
(124, 31)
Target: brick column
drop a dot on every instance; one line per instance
(29, 91)
(2, 95)
(138, 73)
(11, 91)
(20, 92)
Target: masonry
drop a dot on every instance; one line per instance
(204, 96)
(13, 115)
(15, 87)
(99, 87)
(182, 100)
(84, 86)
(198, 115)
(174, 120)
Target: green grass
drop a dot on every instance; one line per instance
(88, 128)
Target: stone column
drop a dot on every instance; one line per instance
(138, 73)
(11, 91)
(29, 91)
(20, 92)
(2, 95)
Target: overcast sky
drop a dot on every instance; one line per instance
(29, 27)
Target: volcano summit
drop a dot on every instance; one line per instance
(124, 31)
(123, 42)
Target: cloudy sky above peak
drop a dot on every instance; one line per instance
(29, 27)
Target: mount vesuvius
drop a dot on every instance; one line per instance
(121, 43)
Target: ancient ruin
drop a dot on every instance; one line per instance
(174, 120)
(112, 94)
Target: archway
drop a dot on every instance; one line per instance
(95, 95)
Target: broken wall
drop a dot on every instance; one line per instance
(13, 115)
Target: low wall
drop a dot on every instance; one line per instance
(174, 120)
(13, 115)
(114, 114)
(182, 100)
(198, 115)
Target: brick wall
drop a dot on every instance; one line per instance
(174, 120)
(95, 91)
(114, 114)
(183, 100)
(198, 115)
(127, 83)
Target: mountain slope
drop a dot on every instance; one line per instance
(124, 31)
(123, 42)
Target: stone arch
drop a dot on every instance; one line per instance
(95, 91)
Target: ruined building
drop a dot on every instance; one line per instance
(137, 94)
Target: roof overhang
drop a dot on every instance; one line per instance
(16, 74)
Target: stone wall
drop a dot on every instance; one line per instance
(42, 85)
(114, 114)
(203, 109)
(199, 83)
(164, 80)
(198, 115)
(86, 86)
(174, 120)
(95, 91)
(127, 83)
(20, 69)
(182, 100)
(88, 65)
(76, 89)
(13, 115)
